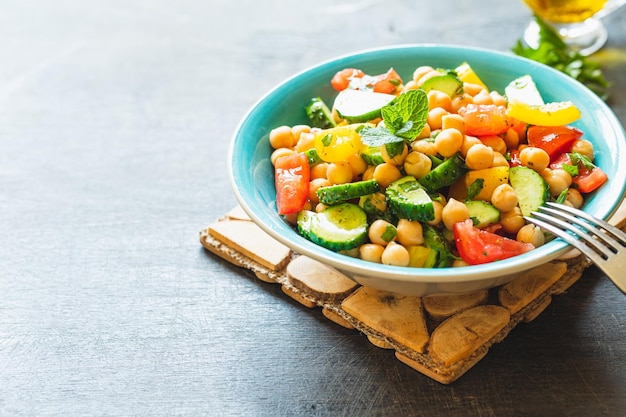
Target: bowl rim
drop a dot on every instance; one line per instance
(359, 267)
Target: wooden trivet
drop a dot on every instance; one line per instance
(440, 336)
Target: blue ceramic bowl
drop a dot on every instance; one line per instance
(252, 177)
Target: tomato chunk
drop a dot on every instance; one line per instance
(477, 246)
(341, 80)
(387, 83)
(589, 180)
(292, 176)
(553, 139)
(484, 119)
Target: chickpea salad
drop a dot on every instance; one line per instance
(438, 171)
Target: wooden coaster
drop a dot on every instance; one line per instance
(441, 337)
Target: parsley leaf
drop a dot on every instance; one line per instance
(404, 118)
(554, 52)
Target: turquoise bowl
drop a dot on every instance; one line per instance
(251, 172)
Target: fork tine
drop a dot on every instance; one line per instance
(589, 225)
(613, 231)
(544, 220)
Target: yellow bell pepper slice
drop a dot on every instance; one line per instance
(550, 114)
(466, 74)
(338, 143)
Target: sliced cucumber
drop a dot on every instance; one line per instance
(531, 189)
(445, 174)
(442, 256)
(319, 114)
(524, 89)
(447, 83)
(374, 205)
(372, 155)
(482, 213)
(338, 228)
(358, 106)
(337, 193)
(408, 199)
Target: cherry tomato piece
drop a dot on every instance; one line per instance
(292, 176)
(341, 80)
(477, 246)
(553, 139)
(484, 119)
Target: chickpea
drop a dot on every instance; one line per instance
(369, 173)
(483, 97)
(512, 221)
(357, 164)
(434, 117)
(535, 158)
(468, 142)
(339, 172)
(583, 147)
(381, 232)
(448, 142)
(421, 71)
(558, 180)
(498, 99)
(438, 209)
(293, 218)
(439, 99)
(460, 101)
(279, 153)
(457, 263)
(417, 164)
(511, 138)
(494, 142)
(297, 130)
(282, 137)
(314, 185)
(425, 133)
(305, 142)
(320, 207)
(453, 212)
(499, 160)
(371, 252)
(574, 198)
(472, 89)
(395, 254)
(410, 232)
(455, 121)
(386, 173)
(410, 85)
(319, 170)
(531, 234)
(479, 156)
(397, 159)
(425, 146)
(504, 198)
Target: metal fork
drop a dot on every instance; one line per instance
(601, 242)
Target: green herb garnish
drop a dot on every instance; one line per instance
(553, 51)
(404, 118)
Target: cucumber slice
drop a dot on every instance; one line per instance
(442, 256)
(319, 114)
(408, 199)
(447, 83)
(374, 205)
(445, 174)
(340, 227)
(357, 106)
(531, 189)
(336, 193)
(482, 213)
(524, 90)
(372, 155)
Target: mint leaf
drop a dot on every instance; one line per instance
(377, 136)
